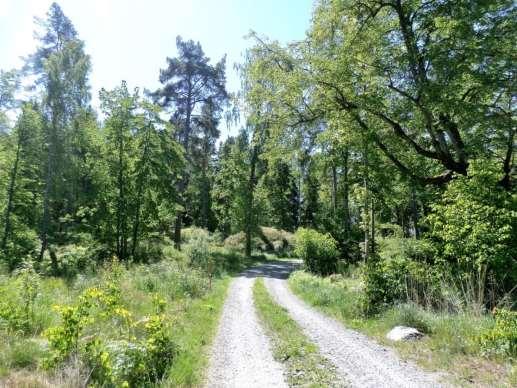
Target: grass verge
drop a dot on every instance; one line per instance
(447, 345)
(192, 313)
(194, 331)
(305, 366)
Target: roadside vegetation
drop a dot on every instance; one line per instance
(472, 345)
(304, 365)
(134, 325)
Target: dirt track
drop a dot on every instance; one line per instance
(241, 356)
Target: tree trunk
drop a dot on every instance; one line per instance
(366, 206)
(10, 195)
(121, 207)
(140, 189)
(177, 231)
(48, 186)
(250, 210)
(205, 197)
(346, 197)
(414, 211)
(372, 221)
(334, 189)
(183, 182)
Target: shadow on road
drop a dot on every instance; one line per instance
(272, 269)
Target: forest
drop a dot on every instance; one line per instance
(378, 150)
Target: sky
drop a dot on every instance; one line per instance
(130, 39)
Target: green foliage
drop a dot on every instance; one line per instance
(281, 240)
(199, 251)
(18, 301)
(128, 360)
(501, 340)
(72, 260)
(133, 363)
(385, 283)
(327, 292)
(317, 250)
(475, 226)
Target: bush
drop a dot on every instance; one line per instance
(502, 338)
(72, 259)
(397, 279)
(200, 252)
(317, 250)
(237, 242)
(189, 235)
(136, 353)
(18, 296)
(475, 227)
(406, 248)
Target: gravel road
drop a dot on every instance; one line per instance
(241, 356)
(358, 360)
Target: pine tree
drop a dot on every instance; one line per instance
(190, 83)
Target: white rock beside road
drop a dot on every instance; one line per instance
(404, 333)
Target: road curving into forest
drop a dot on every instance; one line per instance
(241, 356)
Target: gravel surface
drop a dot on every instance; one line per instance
(359, 361)
(241, 355)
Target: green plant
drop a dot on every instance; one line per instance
(18, 302)
(317, 250)
(502, 338)
(475, 228)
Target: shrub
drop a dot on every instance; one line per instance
(407, 248)
(200, 252)
(475, 227)
(318, 251)
(399, 280)
(140, 353)
(384, 283)
(237, 242)
(502, 338)
(72, 259)
(135, 363)
(18, 297)
(189, 235)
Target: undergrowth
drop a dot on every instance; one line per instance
(122, 325)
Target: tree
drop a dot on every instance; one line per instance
(23, 192)
(282, 192)
(143, 163)
(419, 81)
(119, 106)
(191, 85)
(62, 69)
(9, 84)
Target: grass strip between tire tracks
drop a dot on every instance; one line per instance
(304, 365)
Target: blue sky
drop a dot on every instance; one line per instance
(129, 39)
